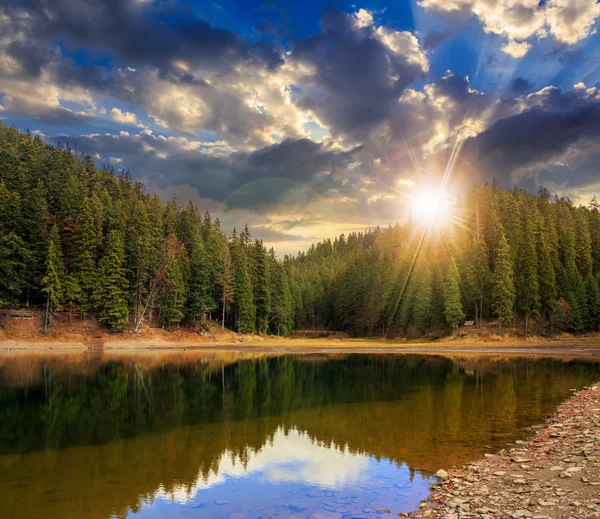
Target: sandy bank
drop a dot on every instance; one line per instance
(585, 346)
(555, 474)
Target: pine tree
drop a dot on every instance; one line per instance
(226, 278)
(593, 303)
(111, 293)
(528, 288)
(478, 276)
(243, 294)
(452, 304)
(423, 278)
(86, 242)
(174, 286)
(594, 215)
(503, 289)
(53, 280)
(583, 242)
(282, 306)
(262, 288)
(575, 294)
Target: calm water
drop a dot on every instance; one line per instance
(320, 437)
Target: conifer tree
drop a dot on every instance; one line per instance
(53, 280)
(226, 278)
(583, 242)
(86, 242)
(575, 294)
(594, 215)
(593, 303)
(174, 286)
(262, 288)
(282, 306)
(452, 302)
(478, 276)
(111, 293)
(423, 278)
(527, 284)
(243, 294)
(503, 289)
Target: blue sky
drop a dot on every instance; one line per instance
(307, 119)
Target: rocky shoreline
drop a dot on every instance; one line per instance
(554, 474)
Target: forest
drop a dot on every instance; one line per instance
(82, 240)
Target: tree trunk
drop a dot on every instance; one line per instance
(223, 320)
(47, 312)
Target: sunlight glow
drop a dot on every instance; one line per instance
(431, 208)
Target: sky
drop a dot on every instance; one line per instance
(309, 119)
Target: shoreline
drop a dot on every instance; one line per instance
(554, 474)
(586, 345)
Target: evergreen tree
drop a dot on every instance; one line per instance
(111, 293)
(174, 287)
(86, 242)
(452, 306)
(423, 278)
(53, 280)
(593, 303)
(575, 294)
(262, 288)
(503, 289)
(245, 313)
(226, 278)
(527, 284)
(282, 307)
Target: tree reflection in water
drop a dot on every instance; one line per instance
(345, 434)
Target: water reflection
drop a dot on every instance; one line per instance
(294, 476)
(266, 437)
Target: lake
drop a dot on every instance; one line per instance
(257, 437)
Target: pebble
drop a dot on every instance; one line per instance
(567, 446)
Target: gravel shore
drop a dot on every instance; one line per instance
(554, 474)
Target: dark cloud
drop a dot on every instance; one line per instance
(144, 33)
(357, 77)
(533, 137)
(239, 179)
(519, 86)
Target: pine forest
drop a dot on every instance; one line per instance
(79, 240)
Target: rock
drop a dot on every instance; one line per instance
(519, 481)
(521, 513)
(384, 511)
(442, 474)
(557, 468)
(565, 475)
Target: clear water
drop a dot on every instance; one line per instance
(320, 437)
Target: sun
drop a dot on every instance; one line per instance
(431, 208)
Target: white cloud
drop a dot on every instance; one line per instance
(123, 117)
(516, 49)
(568, 21)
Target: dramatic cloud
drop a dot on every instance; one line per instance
(553, 124)
(353, 72)
(219, 172)
(322, 132)
(568, 21)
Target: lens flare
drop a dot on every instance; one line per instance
(430, 208)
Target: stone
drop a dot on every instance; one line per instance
(442, 474)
